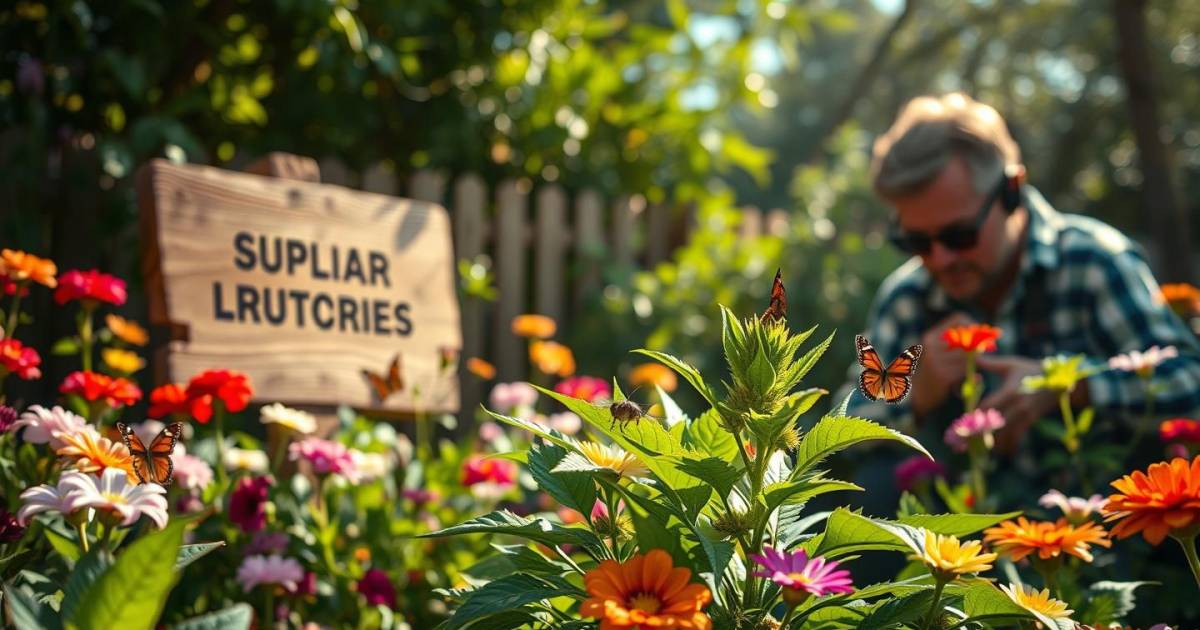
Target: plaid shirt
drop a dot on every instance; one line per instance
(1083, 288)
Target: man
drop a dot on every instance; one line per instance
(989, 249)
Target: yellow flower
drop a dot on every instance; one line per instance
(1031, 599)
(613, 458)
(123, 361)
(92, 453)
(1059, 374)
(948, 558)
(288, 418)
(535, 326)
(126, 330)
(654, 374)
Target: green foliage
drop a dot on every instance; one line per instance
(236, 617)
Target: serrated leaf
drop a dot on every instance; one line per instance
(672, 413)
(707, 435)
(507, 620)
(761, 373)
(904, 609)
(1110, 601)
(191, 553)
(546, 433)
(800, 491)
(689, 373)
(510, 559)
(576, 463)
(86, 572)
(236, 617)
(508, 593)
(718, 473)
(833, 434)
(956, 524)
(575, 491)
(535, 529)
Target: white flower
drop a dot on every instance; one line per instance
(272, 569)
(246, 459)
(112, 492)
(1142, 363)
(47, 498)
(404, 449)
(371, 466)
(46, 425)
(1076, 509)
(294, 419)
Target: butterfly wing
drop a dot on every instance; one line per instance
(384, 385)
(139, 455)
(158, 459)
(871, 381)
(897, 379)
(378, 384)
(777, 309)
(395, 381)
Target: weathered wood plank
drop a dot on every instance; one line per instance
(589, 247)
(509, 351)
(470, 232)
(550, 253)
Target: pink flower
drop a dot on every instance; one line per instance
(377, 588)
(588, 388)
(46, 498)
(490, 432)
(478, 469)
(191, 472)
(801, 576)
(44, 426)
(8, 417)
(90, 285)
(247, 503)
(420, 496)
(566, 423)
(1076, 509)
(917, 469)
(326, 457)
(507, 397)
(273, 569)
(267, 543)
(980, 423)
(113, 493)
(1142, 363)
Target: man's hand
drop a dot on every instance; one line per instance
(1019, 408)
(941, 369)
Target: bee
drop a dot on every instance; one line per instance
(625, 411)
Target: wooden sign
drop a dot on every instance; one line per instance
(300, 285)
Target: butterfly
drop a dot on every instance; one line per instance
(153, 464)
(890, 384)
(777, 309)
(386, 385)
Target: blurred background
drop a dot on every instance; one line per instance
(621, 166)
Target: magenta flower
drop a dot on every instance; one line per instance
(420, 496)
(248, 503)
(8, 416)
(801, 576)
(588, 388)
(326, 457)
(377, 588)
(917, 469)
(10, 527)
(267, 544)
(273, 569)
(981, 423)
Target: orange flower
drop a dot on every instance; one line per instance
(1022, 537)
(481, 368)
(646, 591)
(92, 453)
(654, 374)
(1163, 500)
(551, 357)
(972, 338)
(1183, 298)
(19, 266)
(126, 330)
(535, 326)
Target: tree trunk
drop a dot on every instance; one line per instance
(1167, 218)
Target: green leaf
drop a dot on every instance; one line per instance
(26, 612)
(511, 559)
(762, 374)
(131, 594)
(86, 572)
(191, 553)
(507, 620)
(508, 593)
(984, 602)
(717, 473)
(573, 490)
(535, 529)
(66, 345)
(849, 532)
(800, 491)
(1111, 601)
(768, 430)
(905, 609)
(65, 547)
(689, 373)
(236, 617)
(672, 413)
(678, 11)
(833, 434)
(956, 524)
(543, 432)
(710, 437)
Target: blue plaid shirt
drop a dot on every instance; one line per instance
(1083, 288)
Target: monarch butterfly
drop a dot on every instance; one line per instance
(385, 385)
(777, 309)
(890, 384)
(153, 464)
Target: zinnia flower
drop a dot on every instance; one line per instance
(1076, 509)
(1022, 537)
(551, 357)
(613, 458)
(915, 470)
(191, 472)
(1142, 363)
(1183, 298)
(17, 358)
(645, 591)
(8, 286)
(1035, 601)
(534, 326)
(231, 388)
(270, 570)
(267, 543)
(95, 387)
(326, 457)
(980, 423)
(1164, 500)
(480, 469)
(90, 286)
(95, 454)
(587, 388)
(972, 338)
(249, 460)
(248, 503)
(168, 399)
(510, 396)
(481, 368)
(47, 498)
(949, 558)
(651, 374)
(1179, 429)
(44, 426)
(291, 419)
(112, 492)
(126, 330)
(1059, 374)
(121, 360)
(377, 588)
(801, 576)
(19, 266)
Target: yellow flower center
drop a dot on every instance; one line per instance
(113, 498)
(799, 578)
(646, 603)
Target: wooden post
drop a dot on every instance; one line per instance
(589, 247)
(512, 206)
(624, 226)
(381, 178)
(427, 186)
(658, 234)
(470, 197)
(550, 252)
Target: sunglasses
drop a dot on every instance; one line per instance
(958, 237)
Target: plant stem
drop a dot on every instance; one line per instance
(969, 385)
(269, 613)
(85, 337)
(933, 609)
(1189, 550)
(14, 316)
(107, 536)
(1071, 440)
(787, 619)
(219, 421)
(83, 537)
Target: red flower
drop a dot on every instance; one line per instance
(168, 399)
(90, 285)
(478, 469)
(8, 286)
(231, 388)
(377, 588)
(1179, 429)
(17, 358)
(247, 503)
(93, 387)
(972, 338)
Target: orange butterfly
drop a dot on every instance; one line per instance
(154, 464)
(777, 309)
(890, 384)
(386, 384)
